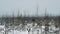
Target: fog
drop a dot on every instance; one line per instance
(29, 6)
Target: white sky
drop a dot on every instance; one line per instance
(7, 7)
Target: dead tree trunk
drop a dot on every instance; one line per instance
(46, 26)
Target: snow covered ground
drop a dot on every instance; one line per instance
(28, 29)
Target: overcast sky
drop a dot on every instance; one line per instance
(7, 7)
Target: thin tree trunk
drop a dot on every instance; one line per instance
(37, 31)
(29, 31)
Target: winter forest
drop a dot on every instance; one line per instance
(29, 16)
(30, 25)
